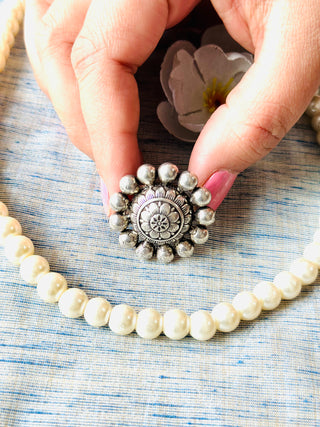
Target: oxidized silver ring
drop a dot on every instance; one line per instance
(162, 213)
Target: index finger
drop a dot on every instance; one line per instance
(117, 37)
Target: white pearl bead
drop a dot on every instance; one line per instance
(72, 302)
(226, 317)
(8, 227)
(123, 319)
(97, 312)
(268, 294)
(34, 267)
(3, 209)
(17, 248)
(305, 270)
(149, 323)
(288, 284)
(316, 237)
(176, 324)
(202, 325)
(247, 305)
(312, 253)
(51, 286)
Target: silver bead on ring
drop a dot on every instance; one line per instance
(161, 213)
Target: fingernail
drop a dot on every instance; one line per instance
(105, 197)
(219, 185)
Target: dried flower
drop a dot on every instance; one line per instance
(197, 82)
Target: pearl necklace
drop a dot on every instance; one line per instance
(149, 323)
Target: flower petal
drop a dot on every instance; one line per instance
(219, 35)
(165, 209)
(167, 64)
(174, 228)
(194, 121)
(170, 194)
(149, 195)
(185, 228)
(160, 192)
(165, 235)
(154, 234)
(145, 226)
(235, 55)
(188, 219)
(173, 217)
(169, 119)
(180, 200)
(214, 63)
(249, 56)
(152, 209)
(186, 84)
(146, 215)
(186, 209)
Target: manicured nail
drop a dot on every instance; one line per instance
(219, 185)
(105, 197)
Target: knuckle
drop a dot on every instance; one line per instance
(258, 136)
(50, 39)
(89, 51)
(84, 55)
(46, 34)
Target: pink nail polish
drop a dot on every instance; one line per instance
(105, 197)
(219, 185)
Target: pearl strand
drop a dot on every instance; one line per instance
(11, 30)
(122, 319)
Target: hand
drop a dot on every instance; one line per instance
(84, 54)
(284, 36)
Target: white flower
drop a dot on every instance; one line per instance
(197, 82)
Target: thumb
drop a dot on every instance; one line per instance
(262, 107)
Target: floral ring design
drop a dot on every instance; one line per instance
(161, 216)
(159, 223)
(165, 218)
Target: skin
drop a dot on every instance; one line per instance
(85, 53)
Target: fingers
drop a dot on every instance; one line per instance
(50, 33)
(34, 10)
(266, 103)
(85, 54)
(117, 37)
(179, 9)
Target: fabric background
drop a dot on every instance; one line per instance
(57, 371)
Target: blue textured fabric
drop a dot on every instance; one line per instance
(60, 371)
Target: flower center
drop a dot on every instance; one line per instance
(159, 223)
(216, 95)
